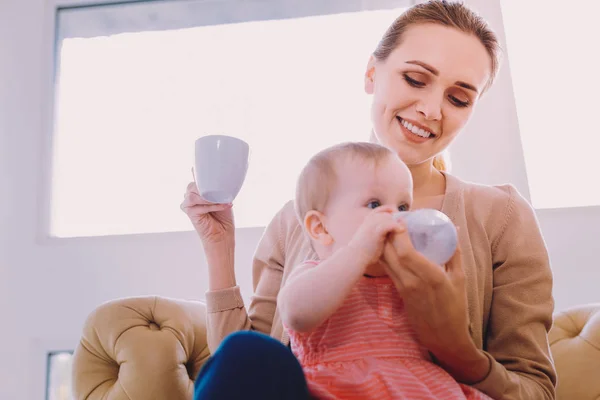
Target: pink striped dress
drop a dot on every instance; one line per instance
(367, 350)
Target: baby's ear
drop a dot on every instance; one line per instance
(314, 224)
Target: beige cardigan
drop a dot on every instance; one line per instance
(509, 284)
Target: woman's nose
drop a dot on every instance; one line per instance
(430, 108)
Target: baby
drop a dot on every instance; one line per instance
(346, 321)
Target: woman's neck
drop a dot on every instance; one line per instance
(427, 181)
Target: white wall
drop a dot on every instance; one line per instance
(47, 288)
(490, 151)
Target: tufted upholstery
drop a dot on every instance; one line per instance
(141, 348)
(575, 343)
(151, 348)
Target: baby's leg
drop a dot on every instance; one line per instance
(251, 365)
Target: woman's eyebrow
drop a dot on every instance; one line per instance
(437, 73)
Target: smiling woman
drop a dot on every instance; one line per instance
(417, 65)
(485, 317)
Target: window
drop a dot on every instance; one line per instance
(552, 51)
(137, 83)
(58, 385)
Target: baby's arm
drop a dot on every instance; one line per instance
(314, 292)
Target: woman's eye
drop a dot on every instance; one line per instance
(373, 204)
(458, 103)
(403, 207)
(413, 82)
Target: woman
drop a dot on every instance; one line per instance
(486, 324)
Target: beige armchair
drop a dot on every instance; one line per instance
(575, 344)
(147, 348)
(141, 348)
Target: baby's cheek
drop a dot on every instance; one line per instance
(349, 229)
(343, 238)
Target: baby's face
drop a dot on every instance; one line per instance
(361, 187)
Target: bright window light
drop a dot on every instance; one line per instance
(129, 107)
(553, 55)
(59, 371)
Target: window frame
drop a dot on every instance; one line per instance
(57, 9)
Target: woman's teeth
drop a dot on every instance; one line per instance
(415, 130)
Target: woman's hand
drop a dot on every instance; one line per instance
(213, 222)
(436, 302)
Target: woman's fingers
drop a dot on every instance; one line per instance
(390, 257)
(193, 199)
(454, 267)
(191, 188)
(400, 275)
(416, 265)
(406, 253)
(392, 268)
(195, 210)
(194, 205)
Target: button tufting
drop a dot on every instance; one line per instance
(154, 326)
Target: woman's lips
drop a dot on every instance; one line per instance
(410, 136)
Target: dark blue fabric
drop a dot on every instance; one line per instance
(251, 365)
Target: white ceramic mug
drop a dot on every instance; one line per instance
(221, 163)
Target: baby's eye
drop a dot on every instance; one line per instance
(403, 207)
(374, 204)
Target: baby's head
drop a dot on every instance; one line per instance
(342, 184)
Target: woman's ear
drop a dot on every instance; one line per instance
(370, 76)
(314, 224)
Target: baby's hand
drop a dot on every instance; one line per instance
(368, 241)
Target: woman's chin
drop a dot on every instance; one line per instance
(408, 153)
(411, 155)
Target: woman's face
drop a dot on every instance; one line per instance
(426, 90)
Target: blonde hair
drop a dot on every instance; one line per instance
(441, 162)
(441, 12)
(318, 177)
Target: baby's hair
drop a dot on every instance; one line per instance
(318, 178)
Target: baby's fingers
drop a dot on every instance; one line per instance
(386, 226)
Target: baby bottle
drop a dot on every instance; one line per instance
(431, 233)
